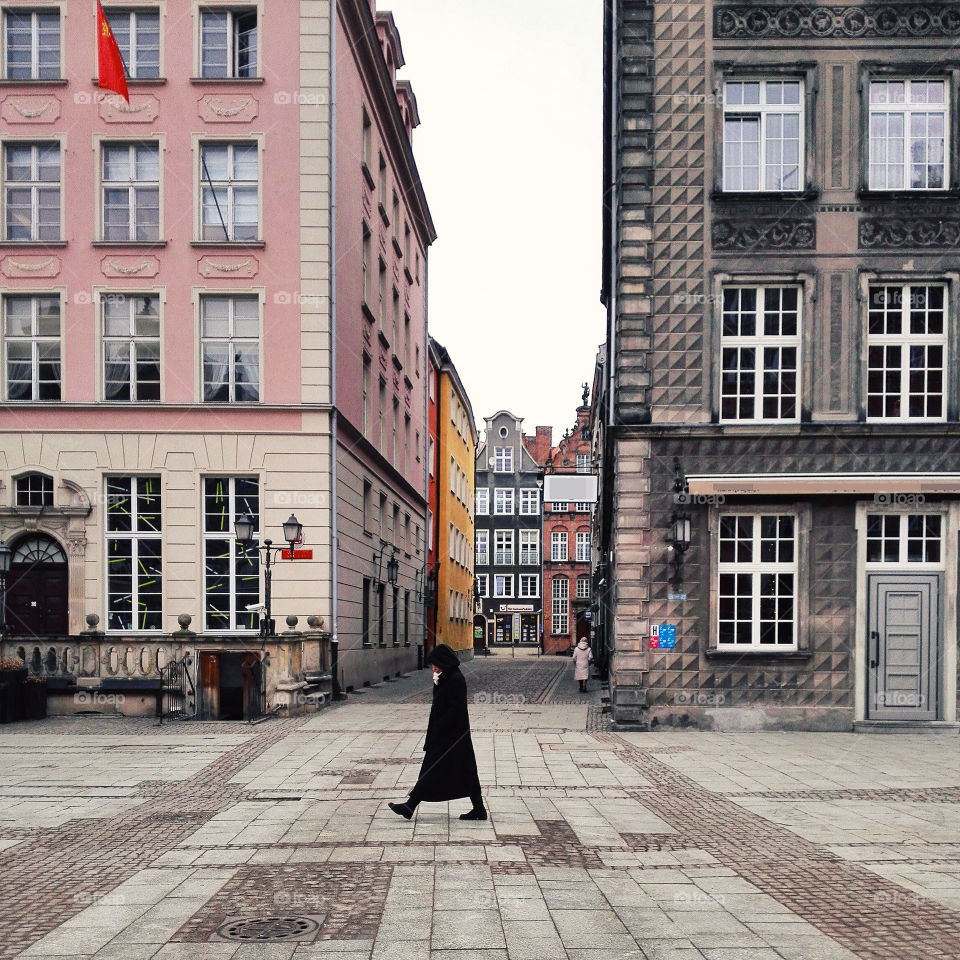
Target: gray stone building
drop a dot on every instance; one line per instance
(776, 405)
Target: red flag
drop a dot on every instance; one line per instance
(112, 75)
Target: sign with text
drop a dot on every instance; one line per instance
(516, 626)
(663, 636)
(570, 488)
(297, 555)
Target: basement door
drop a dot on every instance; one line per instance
(903, 649)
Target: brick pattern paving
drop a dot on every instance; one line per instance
(62, 871)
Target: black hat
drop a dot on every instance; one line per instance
(443, 657)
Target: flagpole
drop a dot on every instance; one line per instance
(206, 172)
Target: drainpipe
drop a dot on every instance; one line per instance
(334, 544)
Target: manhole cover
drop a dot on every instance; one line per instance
(262, 929)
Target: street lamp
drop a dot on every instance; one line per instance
(243, 527)
(679, 542)
(5, 557)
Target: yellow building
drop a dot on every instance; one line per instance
(456, 448)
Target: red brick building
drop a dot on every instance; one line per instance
(567, 591)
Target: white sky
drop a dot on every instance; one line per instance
(510, 151)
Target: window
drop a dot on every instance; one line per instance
(906, 350)
(231, 568)
(431, 381)
(406, 618)
(453, 475)
(431, 455)
(365, 265)
(35, 490)
(416, 533)
(503, 548)
(137, 33)
(529, 502)
(31, 192)
(382, 186)
(503, 501)
(583, 463)
(228, 43)
(230, 331)
(134, 554)
(904, 538)
(31, 327)
(529, 547)
(561, 506)
(131, 347)
(229, 195)
(483, 501)
(583, 588)
(366, 394)
(131, 192)
(453, 543)
(483, 548)
(32, 44)
(367, 504)
(583, 547)
(365, 633)
(381, 294)
(381, 614)
(558, 545)
(908, 134)
(757, 581)
(560, 606)
(483, 584)
(529, 586)
(395, 224)
(406, 245)
(583, 506)
(503, 459)
(759, 349)
(395, 617)
(380, 412)
(406, 342)
(366, 141)
(503, 585)
(382, 517)
(762, 135)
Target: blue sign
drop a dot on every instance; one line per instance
(668, 636)
(588, 616)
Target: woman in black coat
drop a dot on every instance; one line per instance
(449, 769)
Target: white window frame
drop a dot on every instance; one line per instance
(902, 559)
(558, 539)
(903, 341)
(907, 111)
(757, 568)
(560, 606)
(39, 232)
(482, 552)
(503, 552)
(453, 543)
(583, 546)
(136, 190)
(763, 113)
(231, 339)
(503, 501)
(232, 41)
(584, 588)
(561, 506)
(503, 585)
(125, 22)
(529, 502)
(483, 584)
(503, 459)
(483, 501)
(759, 342)
(228, 186)
(584, 506)
(135, 344)
(583, 463)
(35, 70)
(36, 342)
(238, 603)
(135, 536)
(529, 548)
(529, 586)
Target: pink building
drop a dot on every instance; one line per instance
(173, 353)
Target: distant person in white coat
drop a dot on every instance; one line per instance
(582, 658)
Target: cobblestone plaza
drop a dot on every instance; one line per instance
(193, 841)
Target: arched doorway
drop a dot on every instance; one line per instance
(38, 588)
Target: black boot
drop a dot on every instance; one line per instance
(403, 809)
(477, 813)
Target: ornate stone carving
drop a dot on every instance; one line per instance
(747, 21)
(30, 109)
(22, 265)
(227, 109)
(141, 109)
(245, 267)
(756, 234)
(896, 232)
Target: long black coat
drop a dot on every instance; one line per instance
(449, 768)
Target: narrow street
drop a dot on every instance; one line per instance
(121, 839)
